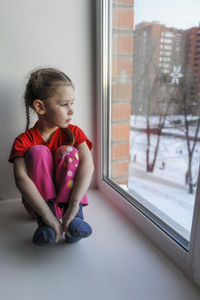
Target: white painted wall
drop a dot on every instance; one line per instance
(43, 33)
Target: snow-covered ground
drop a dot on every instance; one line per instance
(173, 124)
(164, 188)
(175, 203)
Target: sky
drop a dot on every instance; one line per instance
(181, 14)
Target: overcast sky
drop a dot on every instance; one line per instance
(182, 14)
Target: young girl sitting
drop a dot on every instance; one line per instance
(53, 164)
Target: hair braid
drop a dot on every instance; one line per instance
(27, 117)
(70, 136)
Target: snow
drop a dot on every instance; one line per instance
(176, 203)
(173, 124)
(140, 121)
(164, 188)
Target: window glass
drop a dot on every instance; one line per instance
(155, 107)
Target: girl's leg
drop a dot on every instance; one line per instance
(78, 228)
(66, 165)
(40, 167)
(44, 234)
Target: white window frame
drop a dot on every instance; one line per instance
(187, 261)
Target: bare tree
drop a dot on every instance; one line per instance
(190, 140)
(153, 98)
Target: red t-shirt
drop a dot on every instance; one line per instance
(32, 137)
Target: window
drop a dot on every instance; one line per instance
(167, 47)
(166, 41)
(167, 53)
(166, 59)
(146, 128)
(169, 34)
(166, 66)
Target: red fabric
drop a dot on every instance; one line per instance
(32, 137)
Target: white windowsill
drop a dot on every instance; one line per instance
(116, 262)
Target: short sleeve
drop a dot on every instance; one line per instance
(19, 148)
(81, 137)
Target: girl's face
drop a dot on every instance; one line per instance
(58, 109)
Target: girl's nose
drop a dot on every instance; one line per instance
(71, 112)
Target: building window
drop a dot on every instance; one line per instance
(169, 34)
(168, 41)
(166, 59)
(167, 47)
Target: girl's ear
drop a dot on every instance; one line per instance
(38, 106)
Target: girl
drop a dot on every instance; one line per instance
(53, 165)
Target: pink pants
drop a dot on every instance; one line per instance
(53, 175)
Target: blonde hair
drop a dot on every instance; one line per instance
(43, 84)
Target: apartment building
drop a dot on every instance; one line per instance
(157, 49)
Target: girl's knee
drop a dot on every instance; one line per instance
(67, 152)
(38, 150)
(66, 148)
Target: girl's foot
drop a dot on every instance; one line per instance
(78, 229)
(44, 235)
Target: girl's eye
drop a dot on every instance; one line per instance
(66, 104)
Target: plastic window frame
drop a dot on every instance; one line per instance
(188, 261)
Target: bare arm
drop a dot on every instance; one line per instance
(31, 194)
(81, 184)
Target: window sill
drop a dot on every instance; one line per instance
(171, 249)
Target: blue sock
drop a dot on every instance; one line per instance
(71, 240)
(44, 235)
(78, 229)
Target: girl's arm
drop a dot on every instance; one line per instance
(31, 194)
(81, 184)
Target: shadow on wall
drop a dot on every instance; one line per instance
(12, 122)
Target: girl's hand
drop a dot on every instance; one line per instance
(55, 224)
(69, 215)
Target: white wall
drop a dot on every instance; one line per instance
(37, 33)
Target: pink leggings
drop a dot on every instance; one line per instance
(53, 175)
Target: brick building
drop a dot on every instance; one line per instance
(192, 67)
(157, 49)
(121, 95)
